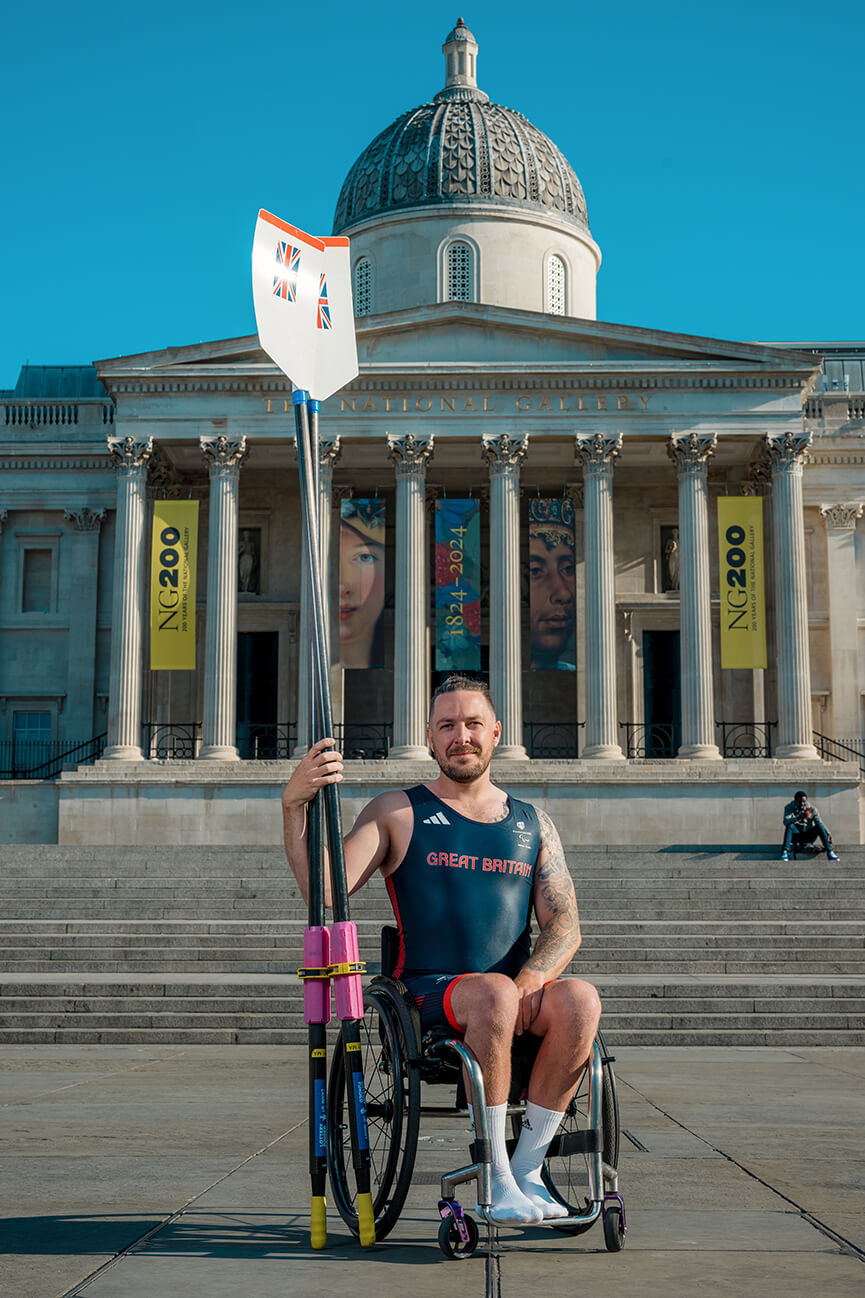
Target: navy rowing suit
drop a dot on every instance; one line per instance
(462, 898)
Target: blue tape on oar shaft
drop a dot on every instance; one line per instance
(360, 1111)
(299, 397)
(313, 406)
(320, 1118)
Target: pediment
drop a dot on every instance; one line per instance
(452, 338)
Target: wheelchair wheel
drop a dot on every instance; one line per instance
(565, 1173)
(392, 1082)
(452, 1245)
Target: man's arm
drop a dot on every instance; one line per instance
(366, 846)
(558, 918)
(791, 814)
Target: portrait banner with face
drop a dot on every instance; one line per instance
(552, 585)
(458, 580)
(361, 582)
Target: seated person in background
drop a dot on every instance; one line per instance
(803, 821)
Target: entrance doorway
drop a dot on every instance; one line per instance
(662, 694)
(257, 665)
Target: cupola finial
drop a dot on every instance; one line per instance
(461, 62)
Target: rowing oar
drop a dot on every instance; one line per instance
(345, 965)
(316, 959)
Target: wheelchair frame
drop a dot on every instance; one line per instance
(396, 1059)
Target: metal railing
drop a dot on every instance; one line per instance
(746, 738)
(651, 739)
(833, 750)
(44, 759)
(267, 741)
(359, 741)
(552, 739)
(171, 740)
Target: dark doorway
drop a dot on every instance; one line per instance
(257, 664)
(662, 694)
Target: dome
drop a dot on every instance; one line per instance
(458, 149)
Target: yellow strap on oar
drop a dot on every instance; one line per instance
(365, 1220)
(318, 1223)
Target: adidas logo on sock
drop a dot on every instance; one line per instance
(528, 1126)
(438, 819)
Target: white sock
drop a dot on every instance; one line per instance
(509, 1207)
(539, 1127)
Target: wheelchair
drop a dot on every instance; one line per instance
(397, 1058)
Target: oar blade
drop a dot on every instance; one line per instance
(287, 266)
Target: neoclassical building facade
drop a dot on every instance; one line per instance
(484, 372)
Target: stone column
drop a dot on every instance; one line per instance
(504, 454)
(80, 593)
(787, 454)
(224, 456)
(690, 452)
(124, 683)
(598, 452)
(843, 630)
(410, 688)
(328, 454)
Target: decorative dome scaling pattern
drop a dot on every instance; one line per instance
(460, 149)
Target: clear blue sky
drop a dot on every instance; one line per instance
(720, 150)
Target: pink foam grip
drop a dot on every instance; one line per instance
(316, 991)
(347, 987)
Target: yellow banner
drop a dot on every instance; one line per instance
(743, 601)
(172, 585)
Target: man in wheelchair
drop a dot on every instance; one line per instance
(802, 826)
(464, 865)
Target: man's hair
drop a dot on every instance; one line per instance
(456, 683)
(800, 794)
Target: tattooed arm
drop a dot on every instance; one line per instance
(556, 909)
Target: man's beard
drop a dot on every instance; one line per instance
(464, 773)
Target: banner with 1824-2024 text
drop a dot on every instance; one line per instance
(743, 600)
(172, 585)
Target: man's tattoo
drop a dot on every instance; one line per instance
(560, 933)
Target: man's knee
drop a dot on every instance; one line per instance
(572, 1003)
(491, 1000)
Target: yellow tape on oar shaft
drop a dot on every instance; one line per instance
(365, 1220)
(318, 1222)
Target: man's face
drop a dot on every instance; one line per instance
(463, 734)
(552, 587)
(801, 801)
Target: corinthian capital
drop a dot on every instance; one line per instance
(598, 451)
(503, 452)
(128, 454)
(85, 520)
(690, 451)
(329, 451)
(788, 451)
(223, 453)
(409, 453)
(842, 517)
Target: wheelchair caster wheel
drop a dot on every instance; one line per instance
(614, 1229)
(451, 1243)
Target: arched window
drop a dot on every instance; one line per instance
(363, 286)
(459, 281)
(554, 289)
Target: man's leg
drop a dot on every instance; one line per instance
(485, 1006)
(788, 839)
(820, 828)
(567, 1023)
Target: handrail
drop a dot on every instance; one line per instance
(43, 759)
(823, 744)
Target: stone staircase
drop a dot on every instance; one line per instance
(180, 945)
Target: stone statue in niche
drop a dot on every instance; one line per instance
(249, 561)
(669, 558)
